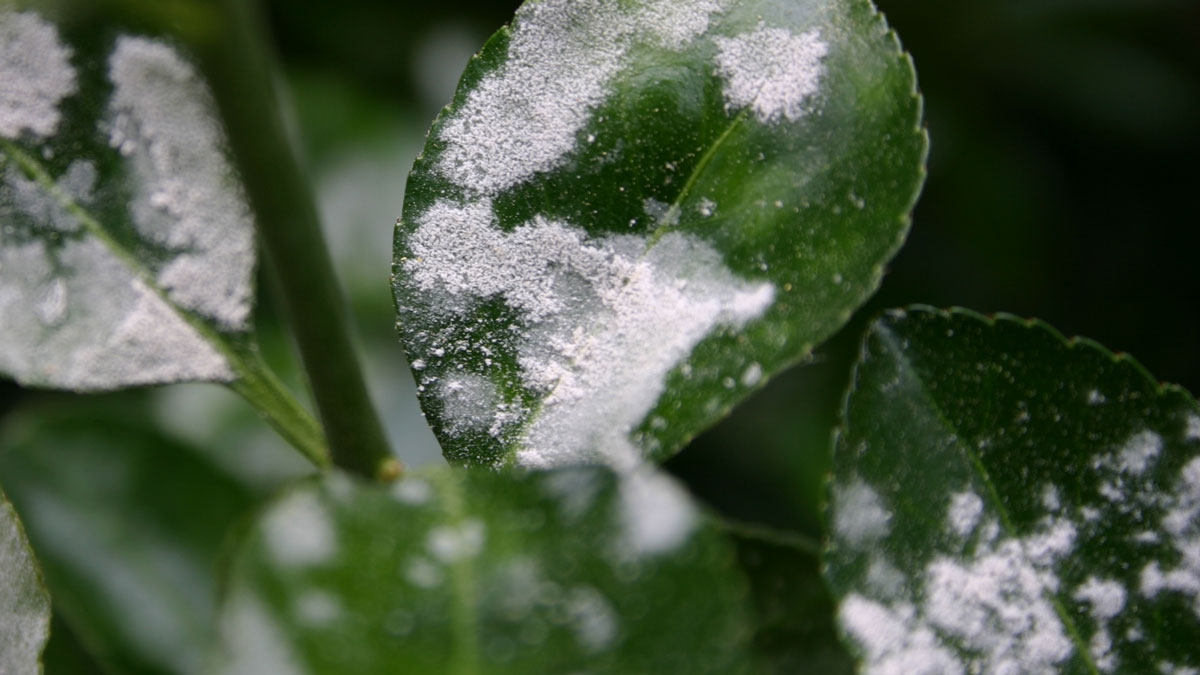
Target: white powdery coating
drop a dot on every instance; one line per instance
(35, 75)
(452, 543)
(471, 403)
(772, 70)
(965, 511)
(1182, 523)
(523, 118)
(1107, 597)
(96, 328)
(413, 491)
(1139, 452)
(1192, 432)
(859, 516)
(254, 641)
(299, 531)
(656, 514)
(991, 613)
(604, 321)
(592, 618)
(893, 643)
(25, 199)
(186, 200)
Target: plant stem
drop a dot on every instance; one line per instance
(261, 388)
(242, 74)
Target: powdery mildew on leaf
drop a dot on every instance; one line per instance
(24, 603)
(78, 311)
(990, 612)
(551, 567)
(524, 118)
(35, 75)
(1181, 523)
(772, 71)
(163, 121)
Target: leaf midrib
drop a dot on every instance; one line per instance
(34, 170)
(893, 344)
(674, 211)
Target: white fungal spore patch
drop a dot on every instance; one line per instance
(656, 514)
(162, 118)
(990, 612)
(1139, 452)
(604, 321)
(1191, 431)
(592, 618)
(471, 403)
(1181, 523)
(525, 117)
(94, 329)
(452, 543)
(1107, 599)
(965, 511)
(772, 71)
(299, 531)
(35, 75)
(859, 515)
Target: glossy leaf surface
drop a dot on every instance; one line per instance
(472, 571)
(1009, 501)
(129, 526)
(126, 246)
(634, 213)
(24, 602)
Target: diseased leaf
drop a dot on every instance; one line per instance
(126, 246)
(129, 526)
(1005, 500)
(634, 213)
(472, 571)
(24, 602)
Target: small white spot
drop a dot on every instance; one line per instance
(422, 573)
(1107, 597)
(452, 543)
(706, 207)
(318, 608)
(859, 516)
(752, 375)
(592, 618)
(656, 514)
(965, 510)
(299, 531)
(1094, 397)
(1139, 452)
(1192, 432)
(413, 491)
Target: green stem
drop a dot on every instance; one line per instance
(262, 389)
(243, 79)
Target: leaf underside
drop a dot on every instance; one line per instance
(126, 245)
(633, 214)
(1005, 500)
(471, 571)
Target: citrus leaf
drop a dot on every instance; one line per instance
(473, 571)
(634, 213)
(128, 525)
(1005, 500)
(126, 245)
(24, 602)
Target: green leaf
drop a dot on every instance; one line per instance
(129, 526)
(473, 571)
(126, 245)
(24, 602)
(794, 631)
(1005, 500)
(633, 214)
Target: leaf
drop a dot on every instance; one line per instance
(473, 571)
(128, 525)
(1005, 500)
(24, 602)
(633, 214)
(794, 631)
(126, 245)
